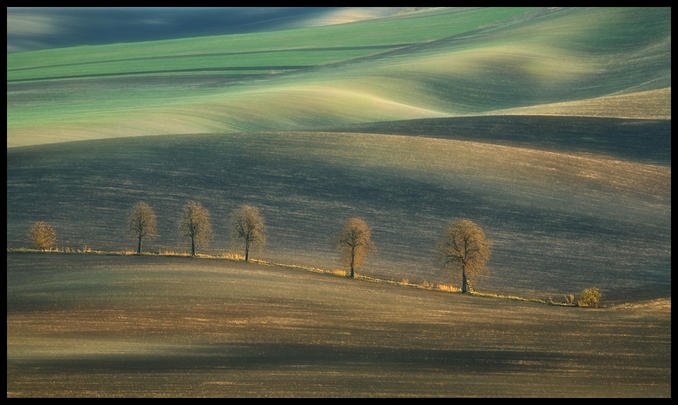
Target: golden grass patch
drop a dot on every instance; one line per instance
(650, 104)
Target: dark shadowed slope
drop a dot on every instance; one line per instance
(31, 28)
(646, 141)
(559, 222)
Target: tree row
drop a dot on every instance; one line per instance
(462, 246)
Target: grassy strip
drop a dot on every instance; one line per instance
(286, 60)
(332, 272)
(162, 253)
(510, 297)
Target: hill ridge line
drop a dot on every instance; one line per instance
(437, 287)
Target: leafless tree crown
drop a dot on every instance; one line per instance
(195, 224)
(142, 222)
(247, 224)
(464, 244)
(355, 240)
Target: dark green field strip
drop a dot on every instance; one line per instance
(29, 94)
(192, 55)
(264, 59)
(224, 69)
(647, 141)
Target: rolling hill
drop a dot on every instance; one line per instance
(549, 126)
(638, 140)
(438, 63)
(558, 221)
(33, 28)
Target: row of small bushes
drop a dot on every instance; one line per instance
(588, 298)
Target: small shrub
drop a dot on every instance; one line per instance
(404, 281)
(427, 285)
(590, 297)
(43, 235)
(229, 256)
(172, 253)
(570, 299)
(447, 287)
(339, 273)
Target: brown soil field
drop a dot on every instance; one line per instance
(116, 326)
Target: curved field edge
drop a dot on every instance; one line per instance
(649, 104)
(314, 107)
(233, 257)
(658, 304)
(644, 141)
(455, 67)
(88, 326)
(542, 210)
(385, 32)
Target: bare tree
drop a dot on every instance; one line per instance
(464, 245)
(43, 235)
(355, 240)
(141, 223)
(248, 224)
(195, 224)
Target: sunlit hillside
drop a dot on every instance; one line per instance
(432, 63)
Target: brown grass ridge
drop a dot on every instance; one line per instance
(234, 257)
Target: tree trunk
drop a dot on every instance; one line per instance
(139, 246)
(352, 261)
(192, 246)
(465, 285)
(247, 251)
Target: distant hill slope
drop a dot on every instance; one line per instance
(648, 104)
(33, 28)
(559, 222)
(646, 141)
(444, 62)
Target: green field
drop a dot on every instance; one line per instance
(84, 326)
(442, 63)
(386, 32)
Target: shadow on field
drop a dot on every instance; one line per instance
(242, 356)
(639, 140)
